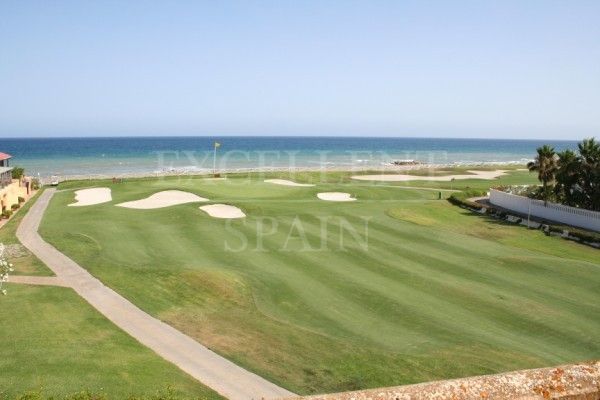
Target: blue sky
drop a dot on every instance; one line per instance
(509, 69)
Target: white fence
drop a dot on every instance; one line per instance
(552, 212)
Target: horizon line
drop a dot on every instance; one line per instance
(286, 136)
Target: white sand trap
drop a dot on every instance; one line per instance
(89, 197)
(163, 199)
(223, 211)
(285, 182)
(335, 196)
(444, 178)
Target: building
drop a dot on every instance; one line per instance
(5, 170)
(10, 189)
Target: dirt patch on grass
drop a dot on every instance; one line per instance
(15, 251)
(227, 288)
(411, 216)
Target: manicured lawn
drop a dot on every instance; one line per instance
(319, 302)
(26, 263)
(55, 343)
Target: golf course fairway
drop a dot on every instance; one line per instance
(317, 296)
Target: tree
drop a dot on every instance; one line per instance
(18, 172)
(576, 176)
(589, 153)
(545, 163)
(568, 189)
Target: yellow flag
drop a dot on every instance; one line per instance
(217, 144)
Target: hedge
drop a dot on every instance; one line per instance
(581, 234)
(462, 199)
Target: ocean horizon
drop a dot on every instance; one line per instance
(76, 156)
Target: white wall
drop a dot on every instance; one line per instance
(553, 212)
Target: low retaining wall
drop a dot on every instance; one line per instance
(553, 212)
(568, 382)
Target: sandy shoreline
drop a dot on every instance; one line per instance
(265, 170)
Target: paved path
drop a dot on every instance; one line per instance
(37, 280)
(214, 371)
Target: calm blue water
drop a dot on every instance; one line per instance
(113, 156)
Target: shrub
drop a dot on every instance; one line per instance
(6, 214)
(14, 206)
(578, 233)
(585, 236)
(461, 199)
(464, 202)
(21, 199)
(555, 228)
(35, 183)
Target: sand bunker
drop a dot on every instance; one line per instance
(335, 196)
(223, 211)
(285, 182)
(444, 178)
(162, 199)
(89, 197)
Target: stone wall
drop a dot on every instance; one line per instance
(568, 382)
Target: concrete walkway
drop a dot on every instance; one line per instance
(37, 280)
(214, 371)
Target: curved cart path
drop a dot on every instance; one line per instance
(214, 371)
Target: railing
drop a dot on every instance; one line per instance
(553, 212)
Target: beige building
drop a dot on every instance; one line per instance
(10, 189)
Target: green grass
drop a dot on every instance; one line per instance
(55, 343)
(28, 264)
(438, 293)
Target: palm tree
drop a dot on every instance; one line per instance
(568, 186)
(545, 164)
(589, 150)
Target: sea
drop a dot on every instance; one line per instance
(120, 156)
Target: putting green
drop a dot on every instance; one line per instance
(393, 288)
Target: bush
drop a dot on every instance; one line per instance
(581, 234)
(14, 207)
(585, 236)
(21, 199)
(35, 184)
(6, 214)
(461, 199)
(464, 202)
(555, 229)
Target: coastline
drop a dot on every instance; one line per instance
(85, 158)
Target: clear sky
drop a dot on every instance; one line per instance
(512, 69)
